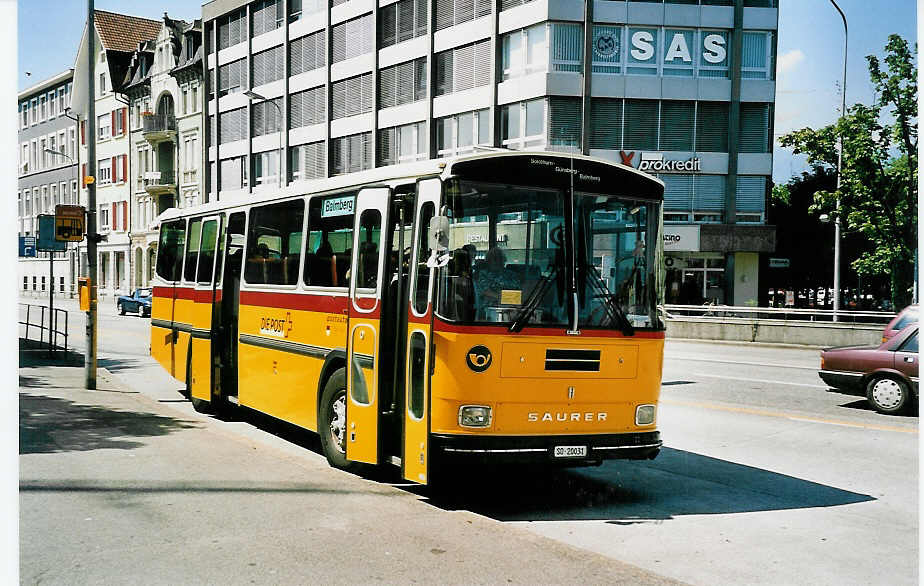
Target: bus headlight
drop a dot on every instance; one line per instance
(474, 416)
(644, 414)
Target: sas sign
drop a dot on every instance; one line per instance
(644, 43)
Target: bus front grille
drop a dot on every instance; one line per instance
(571, 359)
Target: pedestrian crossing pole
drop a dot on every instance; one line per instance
(92, 236)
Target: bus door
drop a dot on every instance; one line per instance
(365, 312)
(228, 305)
(414, 460)
(203, 302)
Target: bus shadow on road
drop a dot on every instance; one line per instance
(53, 425)
(677, 483)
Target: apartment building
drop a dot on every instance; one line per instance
(47, 177)
(682, 89)
(163, 86)
(117, 38)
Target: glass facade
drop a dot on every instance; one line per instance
(657, 97)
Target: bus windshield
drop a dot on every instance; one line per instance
(508, 257)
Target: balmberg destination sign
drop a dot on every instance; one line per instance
(657, 163)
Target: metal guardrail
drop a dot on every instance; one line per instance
(53, 321)
(712, 311)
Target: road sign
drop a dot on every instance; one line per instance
(46, 238)
(27, 246)
(69, 223)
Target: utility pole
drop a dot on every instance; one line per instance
(92, 237)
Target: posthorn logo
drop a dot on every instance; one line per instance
(478, 358)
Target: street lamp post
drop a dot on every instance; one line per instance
(840, 156)
(251, 95)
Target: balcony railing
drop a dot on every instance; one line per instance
(159, 181)
(158, 124)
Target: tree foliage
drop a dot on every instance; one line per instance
(878, 192)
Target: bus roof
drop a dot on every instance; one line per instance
(392, 176)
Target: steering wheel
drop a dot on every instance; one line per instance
(557, 236)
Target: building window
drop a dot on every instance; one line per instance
(457, 134)
(750, 198)
(307, 53)
(757, 55)
(233, 125)
(677, 119)
(52, 110)
(463, 68)
(755, 128)
(402, 21)
(565, 124)
(352, 38)
(402, 144)
(232, 29)
(452, 12)
(266, 167)
(232, 77)
(102, 83)
(523, 124)
(103, 125)
(712, 127)
(677, 59)
(190, 158)
(43, 111)
(351, 96)
(525, 51)
(567, 47)
(104, 171)
(266, 117)
(268, 66)
(307, 107)
(104, 217)
(267, 16)
(233, 174)
(300, 8)
(307, 161)
(403, 83)
(351, 153)
(25, 114)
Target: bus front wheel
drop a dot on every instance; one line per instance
(332, 423)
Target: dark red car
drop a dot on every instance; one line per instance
(887, 374)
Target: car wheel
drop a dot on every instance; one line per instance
(332, 423)
(121, 309)
(888, 395)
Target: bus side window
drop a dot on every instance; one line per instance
(192, 250)
(423, 272)
(329, 249)
(274, 244)
(369, 240)
(170, 250)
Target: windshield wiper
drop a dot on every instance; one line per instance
(616, 314)
(535, 298)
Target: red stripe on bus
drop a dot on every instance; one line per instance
(441, 326)
(186, 293)
(202, 296)
(324, 303)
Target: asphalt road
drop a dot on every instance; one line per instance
(766, 477)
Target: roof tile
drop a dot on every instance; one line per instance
(121, 32)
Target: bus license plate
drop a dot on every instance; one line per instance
(570, 451)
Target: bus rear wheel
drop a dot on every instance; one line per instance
(332, 422)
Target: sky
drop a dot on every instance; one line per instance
(809, 53)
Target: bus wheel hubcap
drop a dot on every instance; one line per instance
(338, 421)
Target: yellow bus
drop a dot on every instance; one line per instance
(499, 307)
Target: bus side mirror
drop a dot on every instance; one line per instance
(438, 241)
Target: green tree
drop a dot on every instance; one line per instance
(878, 194)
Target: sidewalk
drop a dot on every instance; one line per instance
(118, 486)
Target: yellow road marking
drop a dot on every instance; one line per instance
(763, 413)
